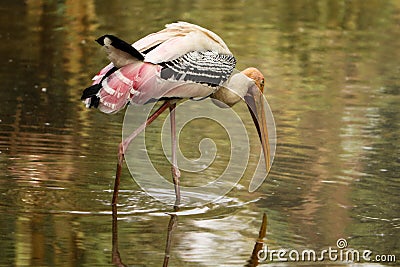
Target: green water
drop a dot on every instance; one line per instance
(332, 76)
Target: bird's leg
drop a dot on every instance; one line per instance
(116, 257)
(125, 143)
(175, 170)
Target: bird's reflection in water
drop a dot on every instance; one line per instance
(172, 224)
(254, 260)
(171, 227)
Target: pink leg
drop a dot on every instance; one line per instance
(116, 257)
(176, 174)
(125, 143)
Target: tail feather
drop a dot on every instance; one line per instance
(91, 94)
(90, 97)
(94, 102)
(90, 91)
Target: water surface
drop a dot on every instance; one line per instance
(332, 73)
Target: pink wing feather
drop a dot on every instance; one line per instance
(129, 83)
(96, 79)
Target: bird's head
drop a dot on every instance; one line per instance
(256, 76)
(255, 102)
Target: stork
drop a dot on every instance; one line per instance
(182, 61)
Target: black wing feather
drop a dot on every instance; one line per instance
(121, 45)
(206, 67)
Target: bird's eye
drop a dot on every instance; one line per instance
(262, 82)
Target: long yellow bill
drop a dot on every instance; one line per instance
(255, 103)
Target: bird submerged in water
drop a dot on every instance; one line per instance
(181, 61)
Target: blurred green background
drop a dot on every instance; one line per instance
(332, 76)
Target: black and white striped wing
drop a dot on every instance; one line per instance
(204, 67)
